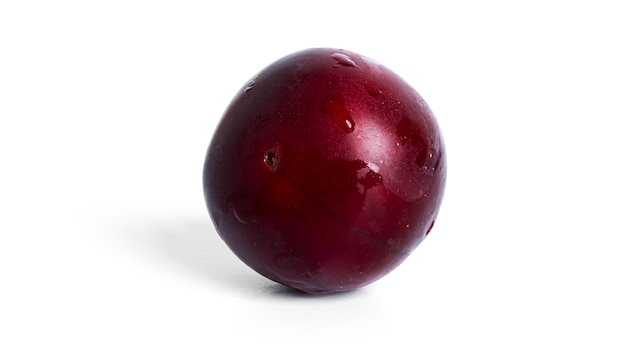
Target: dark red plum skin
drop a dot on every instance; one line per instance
(325, 172)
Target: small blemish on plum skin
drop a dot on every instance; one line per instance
(271, 159)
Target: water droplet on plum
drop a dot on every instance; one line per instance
(250, 84)
(335, 106)
(343, 60)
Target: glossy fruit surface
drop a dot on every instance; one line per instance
(325, 172)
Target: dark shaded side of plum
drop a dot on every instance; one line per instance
(326, 171)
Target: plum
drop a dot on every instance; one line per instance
(325, 172)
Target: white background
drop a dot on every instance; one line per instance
(107, 108)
